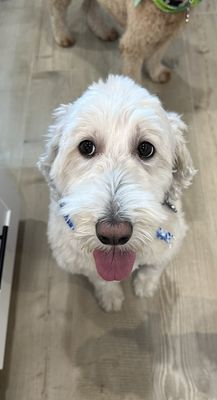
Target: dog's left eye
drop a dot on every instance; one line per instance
(87, 148)
(145, 150)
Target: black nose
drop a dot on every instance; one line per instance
(114, 234)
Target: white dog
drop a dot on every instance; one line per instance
(116, 164)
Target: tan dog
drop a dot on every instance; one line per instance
(147, 31)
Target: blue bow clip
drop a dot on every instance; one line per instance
(69, 222)
(164, 235)
(68, 219)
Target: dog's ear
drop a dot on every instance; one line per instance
(52, 146)
(183, 169)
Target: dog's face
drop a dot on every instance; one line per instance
(113, 155)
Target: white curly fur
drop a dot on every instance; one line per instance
(116, 114)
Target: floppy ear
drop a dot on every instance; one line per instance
(183, 169)
(52, 146)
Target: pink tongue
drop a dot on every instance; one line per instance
(114, 265)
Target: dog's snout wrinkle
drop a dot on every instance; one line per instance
(114, 234)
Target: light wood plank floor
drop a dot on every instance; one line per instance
(61, 345)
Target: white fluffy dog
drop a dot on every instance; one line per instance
(116, 164)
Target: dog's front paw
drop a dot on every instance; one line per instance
(144, 287)
(165, 75)
(110, 296)
(161, 75)
(65, 41)
(111, 35)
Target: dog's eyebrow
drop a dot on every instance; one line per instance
(153, 135)
(95, 136)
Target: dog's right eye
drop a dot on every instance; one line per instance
(145, 150)
(87, 148)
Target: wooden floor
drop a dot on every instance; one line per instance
(61, 345)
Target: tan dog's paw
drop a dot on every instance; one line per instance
(165, 75)
(112, 35)
(65, 41)
(161, 75)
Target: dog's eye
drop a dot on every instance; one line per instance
(145, 150)
(87, 148)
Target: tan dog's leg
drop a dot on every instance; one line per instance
(138, 41)
(147, 35)
(58, 9)
(133, 55)
(98, 23)
(157, 71)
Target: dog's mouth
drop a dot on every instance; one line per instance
(115, 264)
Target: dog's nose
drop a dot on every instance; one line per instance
(114, 234)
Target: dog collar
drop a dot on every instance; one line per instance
(57, 198)
(68, 219)
(173, 6)
(161, 233)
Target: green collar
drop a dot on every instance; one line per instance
(172, 6)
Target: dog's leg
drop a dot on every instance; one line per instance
(99, 23)
(146, 37)
(135, 52)
(132, 56)
(157, 71)
(136, 45)
(146, 280)
(109, 294)
(58, 9)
